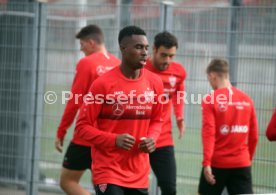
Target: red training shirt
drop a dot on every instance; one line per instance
(173, 80)
(229, 129)
(99, 123)
(271, 128)
(88, 69)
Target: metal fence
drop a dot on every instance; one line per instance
(38, 53)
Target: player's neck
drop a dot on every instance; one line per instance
(223, 84)
(129, 72)
(152, 63)
(103, 50)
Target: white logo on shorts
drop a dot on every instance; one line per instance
(102, 187)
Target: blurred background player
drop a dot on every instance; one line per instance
(96, 62)
(173, 74)
(123, 134)
(271, 128)
(229, 135)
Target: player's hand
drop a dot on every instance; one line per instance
(210, 178)
(147, 144)
(125, 141)
(59, 144)
(181, 127)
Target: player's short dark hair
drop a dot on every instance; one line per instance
(128, 31)
(165, 39)
(91, 32)
(219, 66)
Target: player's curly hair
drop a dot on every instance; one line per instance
(128, 31)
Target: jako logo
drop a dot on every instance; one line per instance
(224, 129)
(239, 129)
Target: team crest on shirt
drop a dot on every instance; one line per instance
(102, 187)
(224, 129)
(117, 109)
(222, 107)
(172, 80)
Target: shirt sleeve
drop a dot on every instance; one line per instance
(87, 118)
(178, 97)
(178, 101)
(155, 125)
(208, 131)
(80, 86)
(253, 133)
(271, 128)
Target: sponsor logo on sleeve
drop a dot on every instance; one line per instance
(100, 70)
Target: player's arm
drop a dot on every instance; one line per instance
(155, 126)
(271, 128)
(253, 133)
(178, 105)
(89, 114)
(79, 88)
(208, 138)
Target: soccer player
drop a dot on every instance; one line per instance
(161, 62)
(229, 135)
(271, 128)
(96, 62)
(123, 120)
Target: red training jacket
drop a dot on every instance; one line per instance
(229, 129)
(173, 80)
(104, 117)
(271, 128)
(88, 69)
